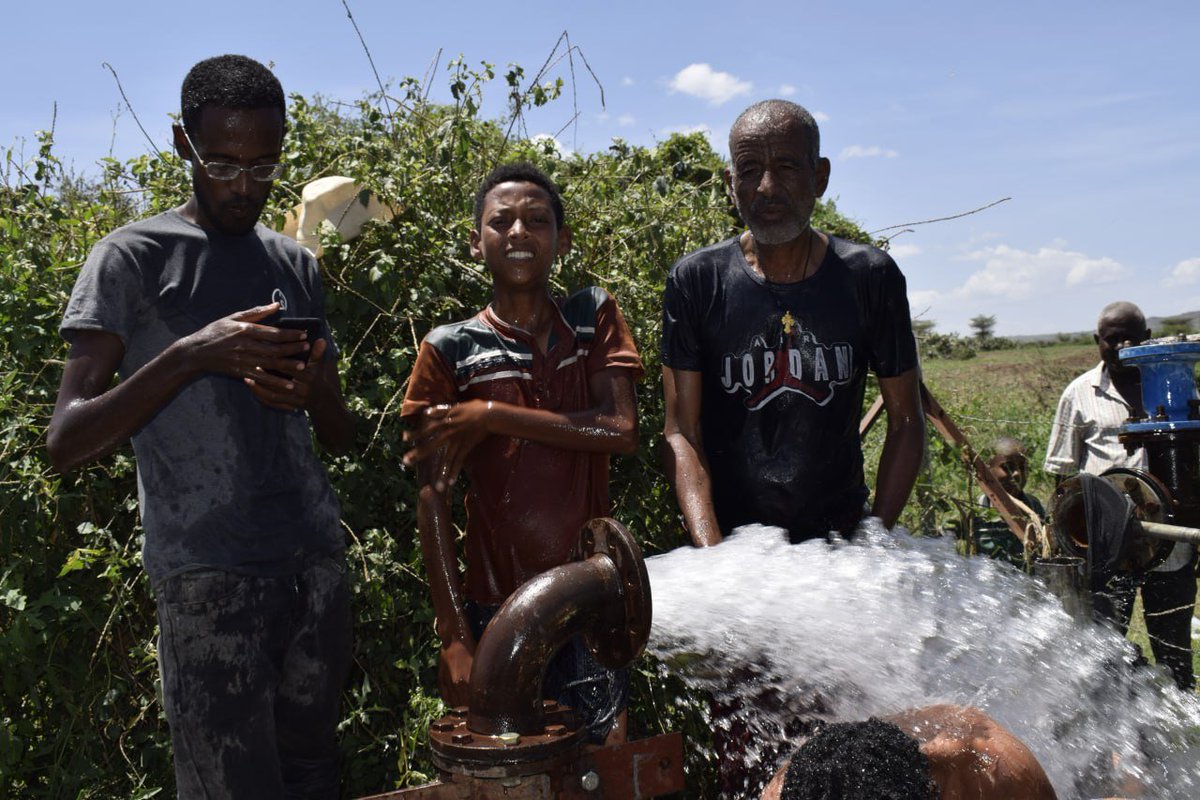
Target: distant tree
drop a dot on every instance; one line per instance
(983, 325)
(1175, 326)
(923, 327)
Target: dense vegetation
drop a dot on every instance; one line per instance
(79, 714)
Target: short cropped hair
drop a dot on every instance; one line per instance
(872, 760)
(777, 111)
(519, 172)
(228, 81)
(1123, 310)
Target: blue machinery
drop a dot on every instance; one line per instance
(1166, 497)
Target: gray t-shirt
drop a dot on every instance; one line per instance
(223, 480)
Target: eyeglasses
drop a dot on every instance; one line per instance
(224, 171)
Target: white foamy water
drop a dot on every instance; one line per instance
(889, 622)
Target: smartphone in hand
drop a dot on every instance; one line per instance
(312, 327)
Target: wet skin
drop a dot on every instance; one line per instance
(244, 137)
(775, 181)
(518, 240)
(971, 756)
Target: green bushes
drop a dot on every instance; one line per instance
(79, 714)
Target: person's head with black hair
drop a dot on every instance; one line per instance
(229, 81)
(232, 126)
(519, 172)
(519, 229)
(872, 760)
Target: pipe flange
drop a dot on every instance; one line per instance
(458, 749)
(1152, 502)
(619, 635)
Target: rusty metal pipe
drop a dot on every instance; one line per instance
(536, 620)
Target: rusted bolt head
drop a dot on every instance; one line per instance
(556, 729)
(459, 711)
(509, 738)
(461, 738)
(442, 726)
(549, 705)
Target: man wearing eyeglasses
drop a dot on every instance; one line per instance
(242, 536)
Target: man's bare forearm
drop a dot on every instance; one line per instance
(592, 430)
(687, 471)
(331, 419)
(89, 424)
(440, 556)
(903, 445)
(898, 467)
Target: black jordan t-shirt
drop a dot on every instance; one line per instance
(783, 372)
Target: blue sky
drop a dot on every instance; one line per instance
(1086, 114)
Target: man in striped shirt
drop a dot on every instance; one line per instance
(1084, 439)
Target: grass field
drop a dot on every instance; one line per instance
(1001, 393)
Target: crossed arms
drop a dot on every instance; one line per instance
(445, 436)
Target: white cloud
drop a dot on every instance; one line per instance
(602, 116)
(874, 151)
(685, 129)
(627, 81)
(701, 80)
(562, 150)
(625, 120)
(903, 251)
(1025, 289)
(1185, 273)
(820, 116)
(1018, 274)
(921, 301)
(786, 90)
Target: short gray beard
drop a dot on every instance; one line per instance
(781, 232)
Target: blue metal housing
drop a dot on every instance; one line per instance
(1168, 384)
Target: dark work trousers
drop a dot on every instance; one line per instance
(252, 672)
(1168, 601)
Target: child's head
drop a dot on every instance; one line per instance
(856, 761)
(519, 172)
(519, 228)
(1009, 464)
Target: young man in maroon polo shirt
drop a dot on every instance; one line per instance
(529, 397)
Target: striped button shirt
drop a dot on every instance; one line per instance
(1084, 438)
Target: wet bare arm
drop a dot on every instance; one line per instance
(91, 419)
(440, 555)
(684, 460)
(608, 426)
(903, 445)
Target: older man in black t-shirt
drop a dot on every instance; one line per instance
(767, 338)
